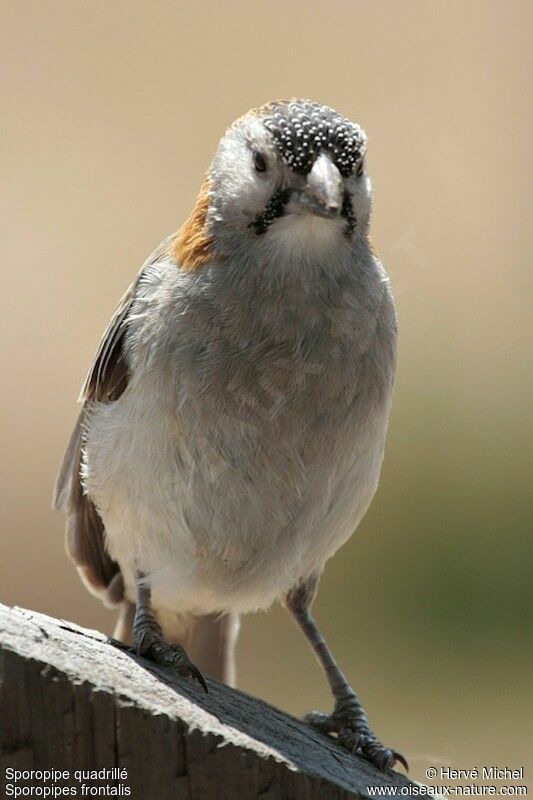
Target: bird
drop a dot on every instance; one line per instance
(233, 422)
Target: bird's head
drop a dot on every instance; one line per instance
(288, 175)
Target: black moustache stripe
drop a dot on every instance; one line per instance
(274, 209)
(348, 213)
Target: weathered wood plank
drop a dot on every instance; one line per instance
(73, 699)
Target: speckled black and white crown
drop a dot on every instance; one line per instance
(302, 128)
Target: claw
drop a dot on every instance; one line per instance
(401, 759)
(356, 737)
(151, 644)
(382, 759)
(199, 677)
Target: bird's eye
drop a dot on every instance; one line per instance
(360, 170)
(260, 163)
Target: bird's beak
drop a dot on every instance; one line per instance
(322, 194)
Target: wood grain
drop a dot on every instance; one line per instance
(73, 699)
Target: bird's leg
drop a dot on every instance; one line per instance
(348, 719)
(149, 640)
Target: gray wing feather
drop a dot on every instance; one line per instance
(64, 482)
(106, 380)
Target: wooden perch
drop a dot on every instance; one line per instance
(72, 699)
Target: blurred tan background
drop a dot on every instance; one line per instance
(112, 110)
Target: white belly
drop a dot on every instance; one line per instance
(224, 513)
(246, 447)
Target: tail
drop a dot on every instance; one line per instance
(210, 641)
(211, 646)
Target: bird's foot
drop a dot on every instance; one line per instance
(149, 642)
(349, 722)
